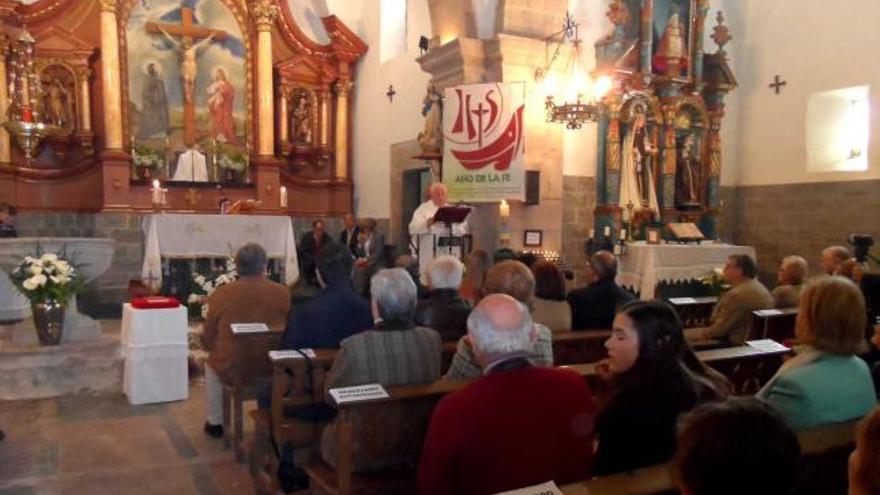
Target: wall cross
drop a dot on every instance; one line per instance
(777, 84)
(390, 94)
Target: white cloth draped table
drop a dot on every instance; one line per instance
(646, 265)
(215, 236)
(155, 346)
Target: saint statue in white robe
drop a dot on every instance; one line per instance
(636, 173)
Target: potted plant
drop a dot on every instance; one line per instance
(49, 282)
(146, 161)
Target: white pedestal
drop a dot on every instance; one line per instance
(155, 345)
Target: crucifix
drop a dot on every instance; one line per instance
(777, 84)
(192, 37)
(390, 94)
(479, 112)
(192, 196)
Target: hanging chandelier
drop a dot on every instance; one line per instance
(580, 95)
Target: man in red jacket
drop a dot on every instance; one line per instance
(516, 426)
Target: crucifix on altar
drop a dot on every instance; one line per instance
(192, 38)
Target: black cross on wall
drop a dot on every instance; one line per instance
(777, 84)
(390, 94)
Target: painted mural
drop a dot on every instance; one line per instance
(186, 73)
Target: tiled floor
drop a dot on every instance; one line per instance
(103, 445)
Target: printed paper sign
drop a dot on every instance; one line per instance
(292, 354)
(548, 488)
(682, 300)
(372, 391)
(768, 312)
(767, 345)
(238, 328)
(483, 143)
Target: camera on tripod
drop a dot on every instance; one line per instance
(861, 243)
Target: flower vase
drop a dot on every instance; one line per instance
(49, 321)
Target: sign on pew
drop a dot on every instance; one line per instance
(240, 328)
(548, 488)
(358, 393)
(292, 354)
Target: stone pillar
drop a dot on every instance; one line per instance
(284, 123)
(110, 77)
(343, 87)
(5, 150)
(264, 14)
(82, 76)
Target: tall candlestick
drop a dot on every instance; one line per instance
(157, 192)
(607, 231)
(622, 234)
(283, 196)
(591, 234)
(504, 209)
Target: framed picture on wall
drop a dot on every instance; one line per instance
(533, 238)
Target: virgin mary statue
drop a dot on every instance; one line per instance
(636, 176)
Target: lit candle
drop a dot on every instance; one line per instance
(622, 234)
(504, 209)
(283, 196)
(591, 233)
(157, 192)
(607, 231)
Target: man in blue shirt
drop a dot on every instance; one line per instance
(334, 314)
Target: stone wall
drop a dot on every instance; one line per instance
(104, 295)
(802, 219)
(578, 201)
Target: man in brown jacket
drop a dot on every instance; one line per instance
(250, 299)
(733, 314)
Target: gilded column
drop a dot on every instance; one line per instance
(343, 87)
(264, 14)
(324, 135)
(85, 99)
(284, 124)
(612, 154)
(5, 151)
(670, 158)
(110, 76)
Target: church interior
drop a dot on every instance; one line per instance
(439, 246)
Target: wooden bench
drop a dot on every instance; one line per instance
(579, 346)
(693, 311)
(252, 374)
(775, 324)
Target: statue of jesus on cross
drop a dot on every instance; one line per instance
(192, 38)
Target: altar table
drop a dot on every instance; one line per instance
(215, 236)
(646, 265)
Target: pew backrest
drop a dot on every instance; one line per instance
(775, 324)
(693, 311)
(579, 346)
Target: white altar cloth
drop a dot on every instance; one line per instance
(215, 236)
(646, 265)
(155, 346)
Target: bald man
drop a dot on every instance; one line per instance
(594, 306)
(424, 231)
(832, 257)
(518, 425)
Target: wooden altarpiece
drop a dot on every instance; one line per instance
(662, 79)
(81, 168)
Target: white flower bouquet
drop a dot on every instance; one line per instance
(232, 161)
(197, 302)
(48, 276)
(714, 282)
(146, 157)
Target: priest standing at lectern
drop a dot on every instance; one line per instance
(425, 231)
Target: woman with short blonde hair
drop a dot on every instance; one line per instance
(825, 382)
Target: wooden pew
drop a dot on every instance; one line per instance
(775, 324)
(341, 481)
(693, 311)
(252, 374)
(579, 346)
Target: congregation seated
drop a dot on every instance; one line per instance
(252, 298)
(311, 243)
(444, 310)
(791, 276)
(333, 314)
(741, 445)
(655, 378)
(851, 269)
(394, 352)
(864, 462)
(825, 382)
(476, 264)
(518, 425)
(832, 257)
(550, 307)
(516, 280)
(594, 306)
(350, 231)
(732, 315)
(369, 254)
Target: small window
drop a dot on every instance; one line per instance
(392, 29)
(837, 130)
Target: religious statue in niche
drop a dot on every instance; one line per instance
(302, 119)
(221, 97)
(671, 37)
(431, 138)
(187, 75)
(637, 188)
(154, 120)
(59, 90)
(687, 175)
